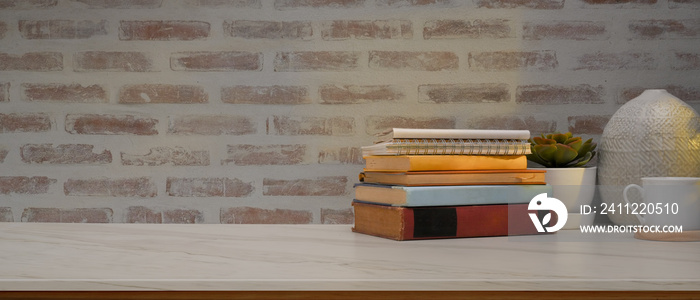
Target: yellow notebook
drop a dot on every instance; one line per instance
(405, 163)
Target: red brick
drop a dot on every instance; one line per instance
(3, 29)
(121, 3)
(617, 61)
(456, 29)
(61, 29)
(464, 93)
(337, 216)
(246, 155)
(24, 122)
(234, 187)
(86, 215)
(23, 4)
(163, 30)
(565, 30)
(159, 156)
(665, 29)
(690, 94)
(75, 215)
(377, 125)
(418, 3)
(57, 92)
(195, 187)
(221, 61)
(110, 124)
(35, 61)
(141, 214)
(683, 4)
(52, 215)
(322, 186)
(294, 4)
(211, 125)
(252, 215)
(162, 93)
(341, 156)
(351, 94)
(684, 61)
(276, 94)
(64, 154)
(619, 3)
(113, 61)
(588, 124)
(25, 185)
(339, 30)
(286, 125)
(532, 4)
(302, 61)
(6, 214)
(182, 216)
(545, 60)
(208, 187)
(628, 94)
(4, 92)
(513, 123)
(110, 187)
(226, 3)
(549, 94)
(413, 61)
(292, 30)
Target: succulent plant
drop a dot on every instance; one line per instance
(561, 150)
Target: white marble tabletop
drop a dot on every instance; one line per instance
(43, 256)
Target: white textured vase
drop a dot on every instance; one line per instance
(653, 135)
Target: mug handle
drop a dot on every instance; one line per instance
(624, 195)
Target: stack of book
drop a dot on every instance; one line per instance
(447, 183)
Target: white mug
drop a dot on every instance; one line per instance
(667, 201)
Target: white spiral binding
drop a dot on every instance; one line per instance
(460, 147)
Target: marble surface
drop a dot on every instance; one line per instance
(41, 256)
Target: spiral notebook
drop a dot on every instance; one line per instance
(419, 141)
(427, 146)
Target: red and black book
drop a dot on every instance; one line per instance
(415, 223)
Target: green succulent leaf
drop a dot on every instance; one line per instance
(593, 146)
(564, 155)
(543, 141)
(572, 139)
(586, 158)
(575, 143)
(544, 154)
(560, 137)
(587, 146)
(534, 158)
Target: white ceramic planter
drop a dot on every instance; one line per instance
(574, 187)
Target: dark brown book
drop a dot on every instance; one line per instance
(415, 223)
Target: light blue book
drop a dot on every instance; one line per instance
(453, 195)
